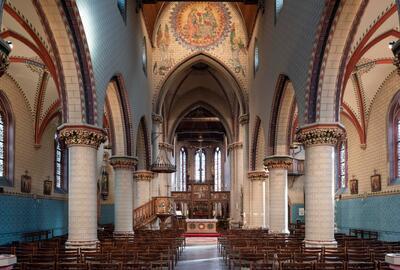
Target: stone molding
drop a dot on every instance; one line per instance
(321, 134)
(123, 162)
(257, 175)
(235, 145)
(278, 162)
(157, 118)
(84, 135)
(244, 119)
(143, 175)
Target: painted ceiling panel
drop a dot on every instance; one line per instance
(50, 97)
(9, 23)
(351, 100)
(391, 23)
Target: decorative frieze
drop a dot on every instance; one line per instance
(143, 175)
(123, 162)
(257, 175)
(85, 135)
(278, 162)
(321, 134)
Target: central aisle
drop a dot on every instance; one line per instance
(201, 253)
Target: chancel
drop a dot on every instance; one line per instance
(253, 134)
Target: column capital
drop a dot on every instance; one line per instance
(165, 146)
(157, 118)
(278, 162)
(257, 175)
(143, 175)
(82, 134)
(320, 134)
(244, 119)
(123, 162)
(235, 145)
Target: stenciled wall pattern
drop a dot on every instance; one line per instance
(186, 29)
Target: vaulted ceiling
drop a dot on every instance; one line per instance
(370, 62)
(32, 62)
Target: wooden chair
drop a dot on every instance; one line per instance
(360, 266)
(296, 266)
(329, 266)
(40, 266)
(72, 266)
(105, 266)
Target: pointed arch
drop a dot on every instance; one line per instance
(258, 146)
(282, 117)
(7, 139)
(142, 146)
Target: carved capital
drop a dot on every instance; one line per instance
(157, 118)
(84, 135)
(123, 162)
(278, 162)
(235, 145)
(165, 146)
(244, 119)
(257, 175)
(320, 134)
(143, 175)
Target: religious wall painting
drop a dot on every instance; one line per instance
(26, 183)
(200, 25)
(376, 182)
(163, 42)
(47, 185)
(353, 186)
(238, 48)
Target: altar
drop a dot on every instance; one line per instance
(201, 225)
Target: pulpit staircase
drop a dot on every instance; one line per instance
(157, 207)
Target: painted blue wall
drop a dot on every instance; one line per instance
(22, 214)
(107, 214)
(295, 213)
(378, 213)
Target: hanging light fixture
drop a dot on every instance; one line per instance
(5, 49)
(162, 164)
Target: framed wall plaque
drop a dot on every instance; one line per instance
(47, 184)
(376, 183)
(353, 186)
(26, 183)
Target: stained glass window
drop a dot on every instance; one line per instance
(398, 147)
(217, 169)
(122, 8)
(256, 57)
(2, 150)
(200, 165)
(342, 165)
(183, 170)
(58, 164)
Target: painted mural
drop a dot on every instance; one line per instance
(188, 28)
(163, 41)
(200, 25)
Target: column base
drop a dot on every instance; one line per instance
(320, 243)
(284, 231)
(124, 234)
(75, 244)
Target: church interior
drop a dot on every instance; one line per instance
(252, 134)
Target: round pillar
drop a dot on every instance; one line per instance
(257, 180)
(83, 142)
(143, 187)
(319, 141)
(278, 192)
(123, 205)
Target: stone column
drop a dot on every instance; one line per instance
(235, 200)
(278, 192)
(123, 204)
(143, 187)
(83, 142)
(256, 213)
(319, 141)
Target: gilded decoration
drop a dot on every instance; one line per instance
(123, 162)
(235, 145)
(320, 134)
(278, 162)
(82, 135)
(143, 175)
(257, 175)
(200, 25)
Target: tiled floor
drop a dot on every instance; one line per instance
(199, 254)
